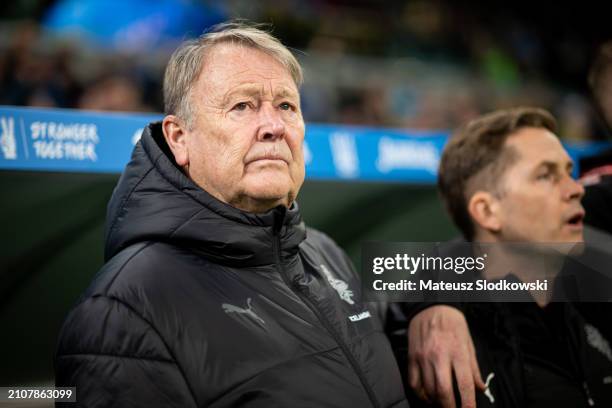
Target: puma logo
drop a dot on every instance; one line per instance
(487, 391)
(248, 311)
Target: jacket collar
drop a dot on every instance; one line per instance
(155, 201)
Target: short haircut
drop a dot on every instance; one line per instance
(187, 61)
(475, 158)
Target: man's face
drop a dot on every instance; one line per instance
(540, 201)
(245, 145)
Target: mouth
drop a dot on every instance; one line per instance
(268, 156)
(268, 159)
(576, 220)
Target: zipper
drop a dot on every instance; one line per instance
(587, 391)
(302, 293)
(574, 349)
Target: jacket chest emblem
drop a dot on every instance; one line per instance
(246, 311)
(597, 341)
(339, 286)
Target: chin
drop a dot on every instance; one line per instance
(269, 193)
(268, 184)
(576, 236)
(576, 239)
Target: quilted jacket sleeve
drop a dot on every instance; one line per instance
(115, 358)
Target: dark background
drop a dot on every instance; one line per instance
(406, 64)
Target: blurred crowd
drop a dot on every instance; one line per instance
(39, 72)
(418, 64)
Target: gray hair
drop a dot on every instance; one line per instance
(186, 62)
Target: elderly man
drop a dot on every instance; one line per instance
(505, 177)
(214, 292)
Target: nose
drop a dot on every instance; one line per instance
(272, 126)
(573, 190)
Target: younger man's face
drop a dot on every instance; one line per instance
(540, 201)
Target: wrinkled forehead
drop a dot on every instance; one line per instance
(229, 64)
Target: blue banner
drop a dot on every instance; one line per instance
(68, 140)
(63, 140)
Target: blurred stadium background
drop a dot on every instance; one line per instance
(402, 64)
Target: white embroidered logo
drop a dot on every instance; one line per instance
(360, 316)
(487, 391)
(597, 341)
(7, 139)
(339, 285)
(248, 311)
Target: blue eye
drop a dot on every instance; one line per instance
(286, 106)
(241, 106)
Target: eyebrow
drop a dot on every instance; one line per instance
(285, 93)
(253, 91)
(243, 90)
(552, 165)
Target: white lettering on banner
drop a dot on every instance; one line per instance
(70, 141)
(49, 150)
(7, 138)
(344, 153)
(406, 154)
(76, 132)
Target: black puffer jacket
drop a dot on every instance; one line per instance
(501, 358)
(200, 304)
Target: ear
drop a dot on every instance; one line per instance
(484, 209)
(175, 134)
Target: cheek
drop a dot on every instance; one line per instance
(295, 140)
(233, 155)
(297, 152)
(220, 152)
(298, 170)
(298, 175)
(518, 208)
(532, 215)
(293, 119)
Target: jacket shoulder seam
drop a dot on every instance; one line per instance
(188, 220)
(109, 355)
(123, 265)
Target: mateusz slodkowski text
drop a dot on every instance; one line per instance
(481, 284)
